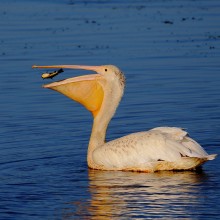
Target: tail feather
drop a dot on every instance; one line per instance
(193, 162)
(211, 156)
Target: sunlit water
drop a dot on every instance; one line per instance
(170, 54)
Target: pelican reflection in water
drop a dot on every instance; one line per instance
(135, 195)
(162, 148)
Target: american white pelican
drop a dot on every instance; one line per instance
(162, 148)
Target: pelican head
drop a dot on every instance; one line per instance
(96, 92)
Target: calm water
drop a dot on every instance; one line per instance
(170, 53)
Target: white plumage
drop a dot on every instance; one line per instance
(162, 148)
(148, 149)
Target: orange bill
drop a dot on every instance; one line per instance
(92, 68)
(83, 89)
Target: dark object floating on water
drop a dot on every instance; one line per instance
(168, 22)
(51, 75)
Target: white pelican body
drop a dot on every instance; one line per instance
(162, 148)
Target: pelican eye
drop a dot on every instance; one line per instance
(106, 70)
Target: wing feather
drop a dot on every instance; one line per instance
(159, 144)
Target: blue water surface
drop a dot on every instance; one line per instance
(169, 51)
